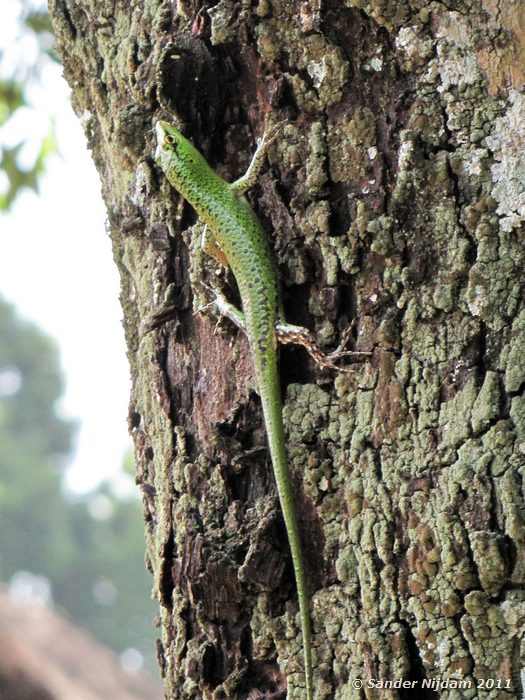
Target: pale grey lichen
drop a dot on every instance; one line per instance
(414, 48)
(507, 141)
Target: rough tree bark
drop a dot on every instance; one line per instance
(394, 197)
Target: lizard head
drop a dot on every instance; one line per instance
(177, 157)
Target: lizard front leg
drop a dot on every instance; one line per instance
(210, 246)
(250, 176)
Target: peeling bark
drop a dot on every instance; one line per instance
(395, 198)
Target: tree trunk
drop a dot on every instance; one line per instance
(394, 201)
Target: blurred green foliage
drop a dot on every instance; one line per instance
(90, 550)
(16, 80)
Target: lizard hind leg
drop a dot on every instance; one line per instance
(226, 309)
(288, 333)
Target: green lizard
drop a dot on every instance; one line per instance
(234, 237)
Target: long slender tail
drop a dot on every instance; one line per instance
(272, 409)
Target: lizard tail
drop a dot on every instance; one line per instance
(272, 409)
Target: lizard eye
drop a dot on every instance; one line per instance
(169, 139)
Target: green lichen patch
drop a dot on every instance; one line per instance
(487, 404)
(513, 357)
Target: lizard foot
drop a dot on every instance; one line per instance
(288, 333)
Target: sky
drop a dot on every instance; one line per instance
(56, 267)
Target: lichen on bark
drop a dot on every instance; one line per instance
(394, 197)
